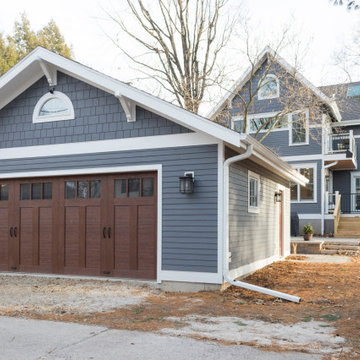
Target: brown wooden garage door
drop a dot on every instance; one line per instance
(91, 225)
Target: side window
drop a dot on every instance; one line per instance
(305, 193)
(299, 129)
(269, 87)
(54, 106)
(253, 192)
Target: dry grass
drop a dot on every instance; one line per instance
(329, 292)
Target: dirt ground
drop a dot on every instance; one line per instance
(326, 322)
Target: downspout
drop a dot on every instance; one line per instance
(322, 207)
(227, 278)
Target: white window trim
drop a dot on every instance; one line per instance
(302, 166)
(257, 115)
(254, 209)
(70, 115)
(277, 88)
(306, 112)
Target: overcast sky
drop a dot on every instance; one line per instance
(84, 25)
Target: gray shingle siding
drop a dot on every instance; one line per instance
(98, 116)
(251, 235)
(189, 233)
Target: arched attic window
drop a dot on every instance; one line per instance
(270, 88)
(54, 106)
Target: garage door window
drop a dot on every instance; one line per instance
(148, 187)
(36, 191)
(80, 189)
(4, 192)
(134, 187)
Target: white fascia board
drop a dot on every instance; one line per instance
(275, 162)
(157, 105)
(354, 122)
(101, 146)
(116, 87)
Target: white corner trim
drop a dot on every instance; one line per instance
(221, 213)
(190, 276)
(101, 146)
(69, 115)
(246, 269)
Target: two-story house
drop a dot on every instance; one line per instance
(316, 129)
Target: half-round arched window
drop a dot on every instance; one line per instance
(269, 87)
(54, 106)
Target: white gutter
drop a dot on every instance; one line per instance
(227, 278)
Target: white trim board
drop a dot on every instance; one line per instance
(190, 276)
(101, 146)
(28, 69)
(81, 171)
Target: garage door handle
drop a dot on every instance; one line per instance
(109, 232)
(104, 232)
(11, 232)
(15, 231)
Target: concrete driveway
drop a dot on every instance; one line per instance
(43, 340)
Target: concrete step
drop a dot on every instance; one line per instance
(329, 252)
(340, 247)
(342, 243)
(347, 227)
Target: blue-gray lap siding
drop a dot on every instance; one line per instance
(98, 116)
(189, 222)
(252, 235)
(278, 141)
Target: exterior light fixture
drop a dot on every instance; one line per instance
(278, 197)
(186, 183)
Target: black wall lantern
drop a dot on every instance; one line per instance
(278, 196)
(186, 183)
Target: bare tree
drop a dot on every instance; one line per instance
(182, 40)
(270, 73)
(350, 4)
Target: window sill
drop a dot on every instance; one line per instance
(253, 210)
(299, 144)
(303, 202)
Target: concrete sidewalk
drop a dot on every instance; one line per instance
(44, 340)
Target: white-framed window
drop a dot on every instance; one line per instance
(263, 121)
(307, 193)
(299, 128)
(253, 192)
(269, 87)
(54, 106)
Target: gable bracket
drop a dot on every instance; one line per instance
(49, 71)
(128, 106)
